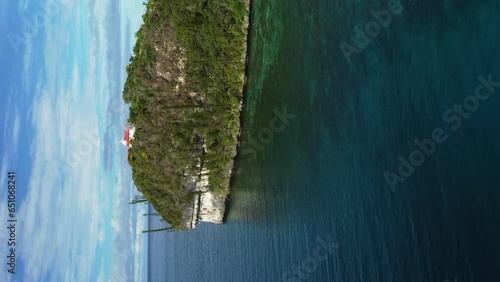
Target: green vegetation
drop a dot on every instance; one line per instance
(184, 88)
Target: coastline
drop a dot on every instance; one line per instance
(222, 202)
(185, 86)
(236, 159)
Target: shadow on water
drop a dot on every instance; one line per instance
(245, 95)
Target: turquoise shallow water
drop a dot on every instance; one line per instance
(319, 179)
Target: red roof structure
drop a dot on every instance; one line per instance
(128, 135)
(126, 138)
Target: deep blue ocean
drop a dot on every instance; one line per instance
(370, 149)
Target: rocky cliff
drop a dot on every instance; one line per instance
(184, 86)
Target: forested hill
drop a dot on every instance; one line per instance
(184, 87)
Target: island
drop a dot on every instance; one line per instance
(185, 90)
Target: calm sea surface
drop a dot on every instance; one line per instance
(311, 201)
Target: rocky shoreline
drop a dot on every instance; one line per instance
(208, 206)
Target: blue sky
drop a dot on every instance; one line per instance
(63, 68)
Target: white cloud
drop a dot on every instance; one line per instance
(16, 128)
(27, 63)
(61, 212)
(140, 244)
(60, 232)
(123, 268)
(65, 220)
(101, 278)
(11, 132)
(22, 5)
(3, 167)
(3, 11)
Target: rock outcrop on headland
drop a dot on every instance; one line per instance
(185, 89)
